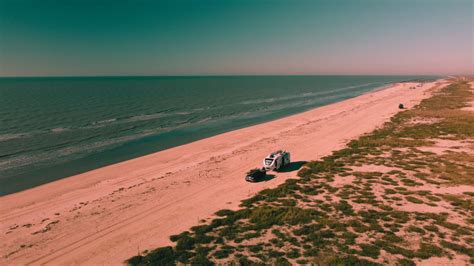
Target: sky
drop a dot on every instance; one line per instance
(235, 37)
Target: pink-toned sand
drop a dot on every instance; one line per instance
(110, 214)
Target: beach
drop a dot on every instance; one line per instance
(107, 215)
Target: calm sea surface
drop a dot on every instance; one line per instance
(51, 128)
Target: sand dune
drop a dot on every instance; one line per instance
(110, 214)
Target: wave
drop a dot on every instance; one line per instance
(136, 118)
(92, 125)
(67, 153)
(59, 129)
(105, 121)
(303, 95)
(5, 137)
(310, 102)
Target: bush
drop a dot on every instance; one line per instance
(175, 238)
(350, 261)
(135, 260)
(344, 207)
(414, 200)
(275, 254)
(282, 262)
(255, 248)
(201, 229)
(199, 260)
(405, 262)
(416, 229)
(432, 228)
(392, 238)
(307, 229)
(349, 238)
(224, 212)
(390, 248)
(458, 248)
(185, 243)
(159, 256)
(428, 250)
(293, 253)
(302, 261)
(295, 215)
(369, 251)
(223, 253)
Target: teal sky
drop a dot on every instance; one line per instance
(222, 37)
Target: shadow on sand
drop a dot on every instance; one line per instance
(265, 179)
(293, 166)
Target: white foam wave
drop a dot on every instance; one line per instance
(66, 153)
(302, 95)
(59, 129)
(105, 121)
(5, 137)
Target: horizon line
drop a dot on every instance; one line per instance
(224, 75)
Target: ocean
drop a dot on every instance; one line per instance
(51, 128)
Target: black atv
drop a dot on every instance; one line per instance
(256, 175)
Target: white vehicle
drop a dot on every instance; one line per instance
(276, 160)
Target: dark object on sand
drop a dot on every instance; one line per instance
(256, 174)
(401, 106)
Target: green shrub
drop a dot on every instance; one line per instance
(350, 261)
(414, 200)
(293, 253)
(344, 207)
(281, 261)
(349, 238)
(307, 229)
(405, 262)
(302, 261)
(393, 249)
(369, 250)
(432, 228)
(199, 260)
(159, 256)
(223, 253)
(433, 198)
(428, 250)
(416, 229)
(275, 254)
(458, 248)
(224, 212)
(392, 238)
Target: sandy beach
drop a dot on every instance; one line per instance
(109, 214)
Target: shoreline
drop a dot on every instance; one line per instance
(142, 201)
(55, 173)
(380, 88)
(17, 180)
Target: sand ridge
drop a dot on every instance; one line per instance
(110, 214)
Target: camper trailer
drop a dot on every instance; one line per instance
(276, 160)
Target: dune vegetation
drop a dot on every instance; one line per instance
(400, 195)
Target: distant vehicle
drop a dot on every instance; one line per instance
(256, 174)
(276, 160)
